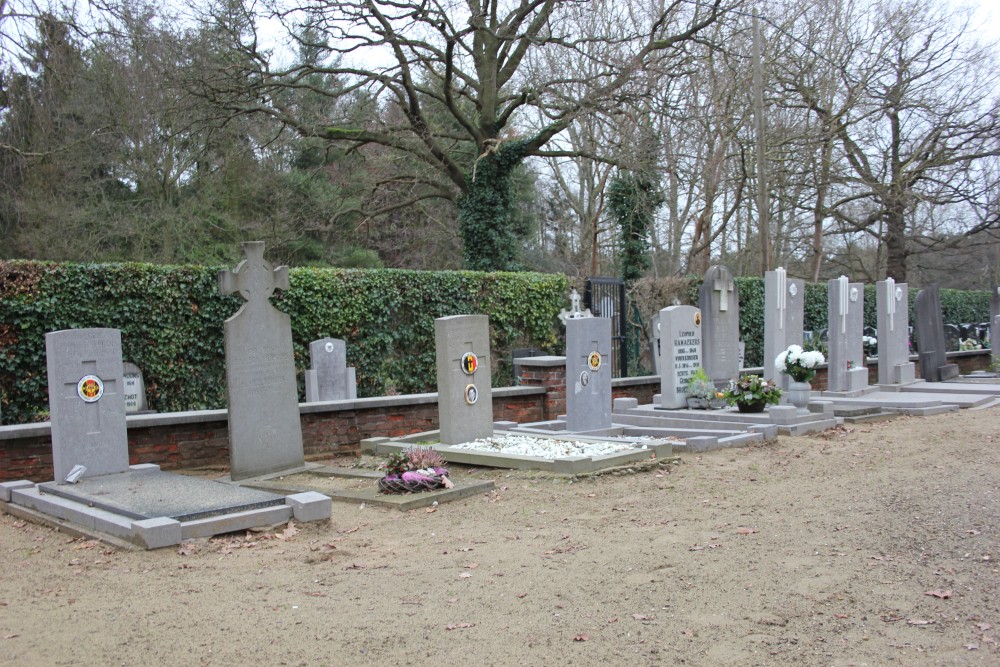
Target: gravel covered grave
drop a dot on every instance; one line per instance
(551, 448)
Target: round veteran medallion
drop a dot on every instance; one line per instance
(90, 388)
(470, 362)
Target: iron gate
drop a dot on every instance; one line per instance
(605, 297)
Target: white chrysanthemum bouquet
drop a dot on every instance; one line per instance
(800, 364)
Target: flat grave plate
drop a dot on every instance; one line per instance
(150, 494)
(362, 487)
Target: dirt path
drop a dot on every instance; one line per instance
(876, 545)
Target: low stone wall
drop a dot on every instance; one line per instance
(199, 439)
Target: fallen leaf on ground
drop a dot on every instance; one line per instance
(918, 621)
(642, 617)
(581, 638)
(472, 566)
(943, 595)
(745, 531)
(459, 626)
(520, 595)
(465, 575)
(431, 510)
(983, 626)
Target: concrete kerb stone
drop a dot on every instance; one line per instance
(7, 487)
(619, 405)
(573, 465)
(310, 506)
(265, 516)
(156, 533)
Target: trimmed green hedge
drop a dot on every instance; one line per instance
(171, 318)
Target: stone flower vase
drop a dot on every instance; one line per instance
(798, 394)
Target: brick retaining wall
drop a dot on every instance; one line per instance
(199, 439)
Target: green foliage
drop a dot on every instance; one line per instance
(700, 385)
(172, 317)
(487, 213)
(633, 198)
(751, 389)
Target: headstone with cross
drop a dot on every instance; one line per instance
(265, 431)
(574, 312)
(588, 374)
(330, 378)
(784, 305)
(720, 310)
(892, 306)
(86, 403)
(465, 398)
(846, 370)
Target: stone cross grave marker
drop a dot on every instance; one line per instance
(846, 370)
(574, 311)
(465, 398)
(330, 378)
(931, 351)
(588, 374)
(720, 308)
(86, 403)
(784, 305)
(265, 431)
(134, 388)
(893, 306)
(680, 353)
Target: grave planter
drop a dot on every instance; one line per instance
(695, 403)
(717, 403)
(751, 407)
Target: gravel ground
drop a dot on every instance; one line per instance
(874, 545)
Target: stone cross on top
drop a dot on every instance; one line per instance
(724, 287)
(253, 278)
(574, 312)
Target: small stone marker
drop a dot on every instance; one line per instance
(574, 312)
(784, 305)
(265, 431)
(680, 353)
(86, 402)
(134, 388)
(720, 308)
(846, 370)
(892, 304)
(465, 398)
(934, 366)
(330, 378)
(588, 374)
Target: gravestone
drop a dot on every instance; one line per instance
(86, 401)
(574, 311)
(846, 370)
(934, 366)
(330, 378)
(720, 309)
(265, 431)
(134, 389)
(465, 399)
(680, 353)
(892, 304)
(588, 374)
(784, 305)
(994, 320)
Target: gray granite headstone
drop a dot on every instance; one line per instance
(994, 322)
(265, 431)
(934, 366)
(86, 402)
(330, 378)
(720, 307)
(846, 370)
(465, 398)
(588, 374)
(134, 388)
(680, 352)
(892, 305)
(784, 305)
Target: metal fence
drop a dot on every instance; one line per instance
(605, 297)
